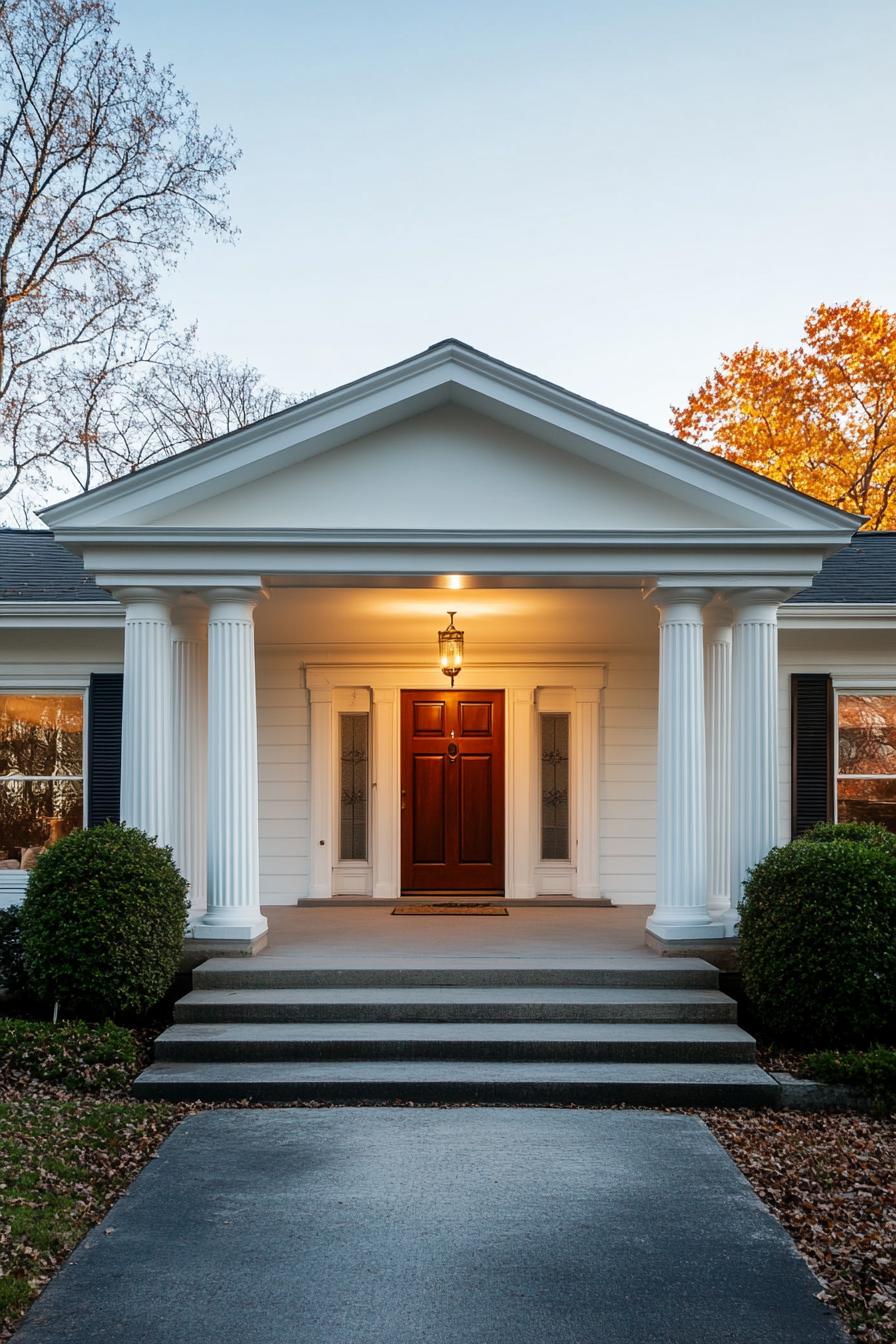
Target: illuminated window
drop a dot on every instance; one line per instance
(866, 759)
(353, 786)
(554, 786)
(41, 773)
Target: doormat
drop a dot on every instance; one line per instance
(454, 908)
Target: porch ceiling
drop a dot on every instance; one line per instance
(384, 620)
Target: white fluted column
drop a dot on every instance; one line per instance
(233, 904)
(190, 748)
(681, 905)
(717, 697)
(754, 735)
(146, 712)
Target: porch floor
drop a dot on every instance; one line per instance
(371, 936)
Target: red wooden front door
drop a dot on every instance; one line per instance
(452, 791)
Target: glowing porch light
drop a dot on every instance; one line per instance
(451, 648)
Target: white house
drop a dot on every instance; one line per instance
(652, 693)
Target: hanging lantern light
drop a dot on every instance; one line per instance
(451, 648)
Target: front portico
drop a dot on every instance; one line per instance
(293, 574)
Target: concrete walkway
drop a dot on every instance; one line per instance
(473, 1226)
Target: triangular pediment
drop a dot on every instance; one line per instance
(451, 439)
(451, 467)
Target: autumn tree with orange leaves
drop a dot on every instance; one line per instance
(820, 418)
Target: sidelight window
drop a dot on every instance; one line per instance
(866, 758)
(354, 790)
(41, 773)
(554, 730)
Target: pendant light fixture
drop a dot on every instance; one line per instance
(451, 648)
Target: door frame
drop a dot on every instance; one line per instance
(523, 684)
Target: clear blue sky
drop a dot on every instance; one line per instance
(609, 195)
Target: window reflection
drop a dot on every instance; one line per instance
(866, 759)
(41, 769)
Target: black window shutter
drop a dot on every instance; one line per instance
(104, 747)
(812, 741)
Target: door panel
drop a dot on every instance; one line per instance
(452, 782)
(474, 809)
(428, 809)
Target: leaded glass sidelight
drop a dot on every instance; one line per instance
(554, 786)
(353, 785)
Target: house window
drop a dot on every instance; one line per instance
(354, 732)
(41, 773)
(866, 758)
(554, 786)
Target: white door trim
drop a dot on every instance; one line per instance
(521, 684)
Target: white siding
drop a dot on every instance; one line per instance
(282, 778)
(628, 780)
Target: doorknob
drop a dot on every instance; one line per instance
(404, 794)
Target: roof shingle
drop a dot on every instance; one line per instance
(34, 567)
(864, 571)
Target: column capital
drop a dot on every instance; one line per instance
(756, 604)
(189, 619)
(717, 621)
(681, 604)
(145, 599)
(231, 603)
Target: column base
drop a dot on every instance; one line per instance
(246, 929)
(697, 931)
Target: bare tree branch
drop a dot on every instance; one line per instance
(105, 176)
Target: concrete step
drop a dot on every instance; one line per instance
(460, 1081)
(531, 1003)
(629, 972)
(552, 1042)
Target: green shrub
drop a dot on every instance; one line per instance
(855, 832)
(103, 922)
(12, 963)
(818, 943)
(872, 1071)
(77, 1056)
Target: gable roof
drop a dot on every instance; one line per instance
(449, 371)
(864, 571)
(35, 567)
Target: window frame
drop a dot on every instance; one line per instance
(52, 690)
(854, 688)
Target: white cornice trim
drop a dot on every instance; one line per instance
(67, 615)
(831, 615)
(680, 538)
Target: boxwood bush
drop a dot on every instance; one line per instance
(818, 942)
(13, 979)
(855, 832)
(873, 1072)
(103, 921)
